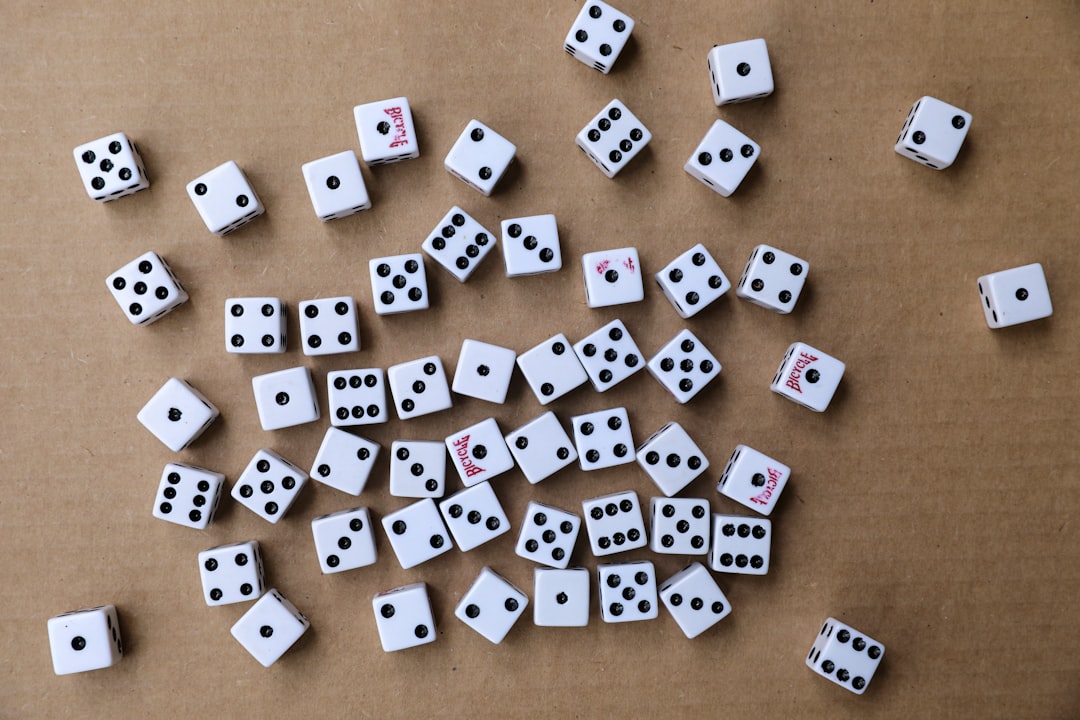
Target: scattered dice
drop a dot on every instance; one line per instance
(740, 71)
(231, 573)
(188, 495)
(146, 289)
(83, 640)
(694, 600)
(807, 376)
(740, 545)
(753, 479)
(671, 458)
(480, 157)
(398, 284)
(97, 160)
(933, 133)
(474, 516)
(552, 369)
(459, 243)
(679, 526)
(541, 447)
(613, 138)
(336, 186)
(269, 485)
(598, 35)
(177, 414)
(603, 439)
(419, 387)
(344, 540)
(479, 452)
(285, 398)
(484, 371)
(561, 597)
(344, 461)
(609, 355)
(723, 158)
(417, 469)
(684, 366)
(270, 627)
(1015, 296)
(548, 535)
(417, 533)
(224, 199)
(357, 397)
(844, 655)
(255, 325)
(612, 277)
(614, 523)
(403, 617)
(773, 279)
(692, 281)
(530, 245)
(627, 591)
(328, 326)
(491, 606)
(386, 131)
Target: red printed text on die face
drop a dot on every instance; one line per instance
(626, 263)
(798, 369)
(401, 133)
(773, 477)
(461, 453)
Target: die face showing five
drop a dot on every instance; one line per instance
(1015, 296)
(177, 414)
(723, 158)
(740, 544)
(110, 167)
(552, 369)
(84, 640)
(671, 458)
(398, 284)
(146, 289)
(459, 243)
(612, 277)
(344, 540)
(613, 138)
(386, 131)
(480, 157)
(609, 355)
(692, 281)
(530, 245)
(474, 516)
(603, 439)
(479, 452)
(224, 199)
(694, 600)
(419, 387)
(541, 447)
(491, 606)
(269, 485)
(614, 523)
(336, 186)
(548, 535)
(844, 655)
(255, 325)
(484, 371)
(231, 573)
(417, 533)
(684, 366)
(329, 326)
(188, 495)
(740, 71)
(627, 592)
(598, 35)
(933, 133)
(403, 617)
(344, 461)
(808, 377)
(417, 469)
(561, 597)
(357, 397)
(753, 479)
(773, 279)
(285, 398)
(679, 526)
(270, 627)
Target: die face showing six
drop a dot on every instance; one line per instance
(614, 523)
(933, 133)
(474, 516)
(270, 627)
(484, 371)
(692, 281)
(479, 452)
(773, 279)
(491, 606)
(285, 398)
(417, 533)
(1015, 296)
(684, 366)
(541, 447)
(723, 158)
(612, 277)
(753, 479)
(740, 71)
(386, 131)
(552, 369)
(480, 157)
(613, 138)
(419, 387)
(459, 243)
(548, 535)
(111, 167)
(84, 640)
(188, 495)
(255, 325)
(344, 461)
(679, 526)
(808, 377)
(398, 284)
(740, 544)
(694, 600)
(357, 397)
(231, 573)
(269, 485)
(561, 597)
(609, 355)
(328, 326)
(417, 469)
(671, 458)
(403, 617)
(224, 199)
(146, 289)
(844, 655)
(627, 592)
(603, 439)
(344, 540)
(598, 35)
(336, 186)
(530, 245)
(177, 414)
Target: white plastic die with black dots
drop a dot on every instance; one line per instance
(474, 516)
(740, 71)
(491, 606)
(530, 245)
(548, 535)
(753, 479)
(329, 326)
(417, 469)
(603, 439)
(1015, 296)
(684, 366)
(614, 523)
(844, 655)
(336, 186)
(146, 289)
(285, 398)
(722, 158)
(773, 279)
(480, 157)
(270, 627)
(419, 387)
(933, 133)
(386, 131)
(398, 284)
(694, 599)
(177, 414)
(484, 371)
(417, 533)
(344, 461)
(111, 167)
(231, 573)
(479, 452)
(225, 199)
(459, 243)
(188, 495)
(552, 369)
(627, 591)
(83, 640)
(671, 458)
(612, 277)
(807, 377)
(541, 447)
(613, 138)
(561, 597)
(344, 540)
(692, 281)
(357, 397)
(740, 544)
(598, 35)
(679, 526)
(403, 617)
(609, 355)
(269, 485)
(255, 325)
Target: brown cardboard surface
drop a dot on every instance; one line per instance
(933, 505)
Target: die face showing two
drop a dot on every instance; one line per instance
(336, 186)
(612, 277)
(344, 540)
(329, 326)
(808, 377)
(1015, 296)
(603, 439)
(740, 71)
(548, 535)
(84, 640)
(694, 600)
(627, 592)
(609, 355)
(403, 617)
(692, 281)
(188, 495)
(614, 523)
(177, 414)
(684, 366)
(530, 245)
(723, 158)
(541, 447)
(479, 452)
(419, 387)
(740, 544)
(598, 35)
(231, 573)
(417, 469)
(285, 398)
(224, 198)
(933, 133)
(753, 479)
(491, 606)
(484, 371)
(679, 526)
(552, 369)
(561, 597)
(255, 325)
(270, 627)
(613, 138)
(844, 655)
(398, 284)
(345, 461)
(111, 167)
(386, 131)
(146, 289)
(474, 516)
(417, 533)
(671, 458)
(480, 157)
(269, 485)
(357, 397)
(773, 279)
(459, 243)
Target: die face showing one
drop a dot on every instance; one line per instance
(270, 627)
(723, 158)
(188, 495)
(328, 326)
(419, 387)
(344, 540)
(773, 279)
(612, 277)
(344, 461)
(552, 369)
(1015, 296)
(613, 138)
(386, 131)
(933, 133)
(753, 479)
(541, 447)
(530, 245)
(609, 355)
(417, 533)
(808, 376)
(398, 284)
(255, 325)
(740, 544)
(177, 414)
(692, 281)
(614, 523)
(627, 592)
(146, 289)
(684, 366)
(491, 606)
(231, 573)
(84, 640)
(285, 398)
(844, 655)
(484, 371)
(357, 397)
(694, 600)
(679, 526)
(403, 617)
(111, 167)
(548, 535)
(459, 243)
(603, 439)
(417, 469)
(671, 458)
(474, 516)
(561, 597)
(740, 71)
(480, 157)
(269, 485)
(598, 35)
(336, 186)
(224, 199)
(479, 452)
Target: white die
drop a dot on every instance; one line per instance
(753, 479)
(269, 485)
(552, 369)
(614, 523)
(403, 617)
(609, 355)
(627, 592)
(417, 468)
(329, 326)
(177, 414)
(671, 458)
(530, 245)
(386, 131)
(694, 600)
(740, 71)
(146, 289)
(110, 167)
(459, 243)
(613, 138)
(773, 279)
(561, 597)
(344, 461)
(844, 655)
(679, 526)
(541, 447)
(598, 35)
(808, 377)
(255, 325)
(480, 157)
(484, 371)
(398, 284)
(933, 133)
(357, 397)
(336, 186)
(231, 573)
(188, 495)
(692, 281)
(479, 452)
(603, 439)
(417, 533)
(474, 516)
(491, 606)
(285, 398)
(612, 277)
(1015, 296)
(419, 387)
(224, 198)
(83, 640)
(270, 627)
(722, 158)
(344, 540)
(684, 366)
(740, 544)
(547, 535)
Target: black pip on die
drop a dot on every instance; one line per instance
(110, 167)
(146, 289)
(808, 377)
(613, 138)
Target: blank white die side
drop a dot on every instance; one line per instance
(684, 366)
(270, 627)
(722, 158)
(547, 535)
(671, 458)
(344, 540)
(479, 452)
(357, 397)
(530, 245)
(808, 377)
(269, 485)
(933, 133)
(773, 279)
(552, 369)
(679, 526)
(613, 138)
(255, 325)
(1015, 296)
(285, 398)
(627, 592)
(146, 289)
(541, 447)
(188, 495)
(111, 167)
(740, 544)
(561, 597)
(740, 71)
(603, 439)
(459, 243)
(609, 355)
(694, 600)
(417, 468)
(403, 617)
(329, 326)
(231, 573)
(224, 198)
(692, 281)
(612, 277)
(474, 516)
(753, 479)
(386, 131)
(598, 35)
(480, 157)
(398, 284)
(417, 533)
(484, 371)
(336, 186)
(844, 655)
(614, 523)
(344, 461)
(84, 640)
(491, 606)
(177, 414)
(419, 387)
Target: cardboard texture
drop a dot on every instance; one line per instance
(932, 506)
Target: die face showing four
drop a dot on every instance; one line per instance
(344, 461)
(344, 540)
(740, 71)
(419, 387)
(530, 245)
(269, 485)
(231, 573)
(270, 627)
(188, 495)
(723, 158)
(609, 355)
(177, 414)
(285, 398)
(933, 133)
(548, 535)
(773, 279)
(224, 199)
(403, 617)
(398, 284)
(146, 289)
(459, 243)
(561, 597)
(684, 366)
(491, 606)
(807, 376)
(844, 655)
(740, 544)
(614, 523)
(84, 640)
(417, 533)
(417, 469)
(612, 277)
(598, 35)
(541, 447)
(692, 281)
(753, 479)
(479, 452)
(1015, 296)
(484, 371)
(613, 138)
(694, 600)
(255, 325)
(627, 592)
(671, 458)
(603, 439)
(336, 186)
(552, 369)
(480, 157)
(357, 397)
(110, 167)
(474, 516)
(679, 526)
(386, 131)
(329, 326)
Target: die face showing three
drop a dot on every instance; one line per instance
(344, 461)
(491, 606)
(694, 600)
(269, 485)
(603, 439)
(270, 627)
(541, 447)
(723, 158)
(285, 398)
(255, 325)
(111, 167)
(484, 371)
(224, 198)
(329, 326)
(684, 366)
(679, 526)
(398, 284)
(84, 640)
(344, 540)
(609, 355)
(530, 245)
(386, 131)
(613, 138)
(671, 458)
(177, 414)
(627, 592)
(552, 369)
(740, 71)
(146, 289)
(459, 243)
(753, 479)
(417, 533)
(474, 516)
(336, 186)
(933, 133)
(773, 279)
(188, 495)
(598, 35)
(548, 535)
(417, 469)
(403, 617)
(357, 397)
(479, 452)
(612, 277)
(844, 655)
(480, 157)
(1015, 296)
(740, 544)
(419, 387)
(231, 573)
(692, 281)
(561, 597)
(808, 377)
(614, 523)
